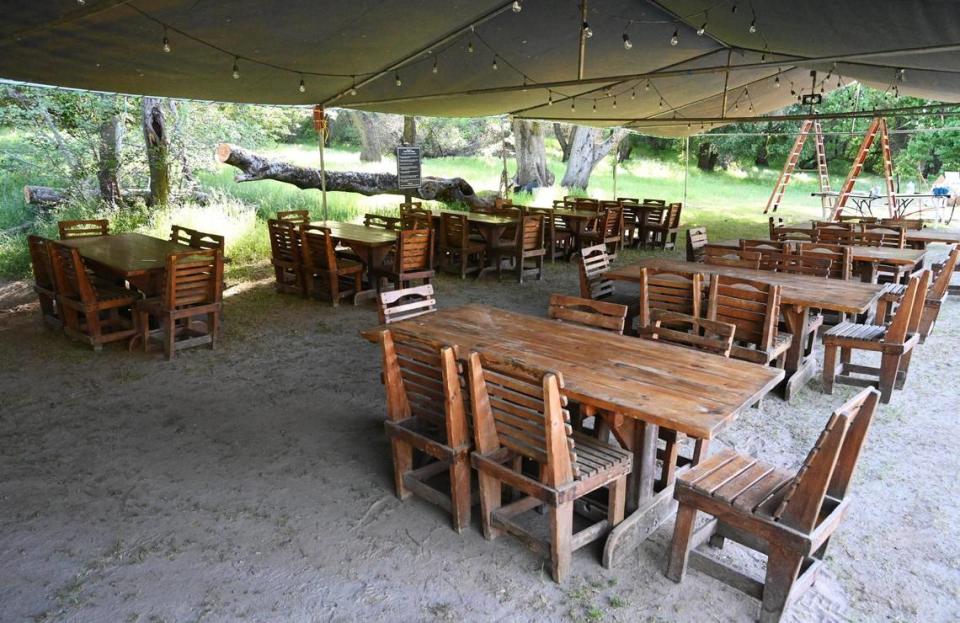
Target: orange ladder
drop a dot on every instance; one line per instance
(877, 126)
(794, 157)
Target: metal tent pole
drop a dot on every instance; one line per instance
(686, 167)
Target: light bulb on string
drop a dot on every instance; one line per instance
(517, 7)
(627, 44)
(594, 105)
(753, 27)
(353, 90)
(470, 47)
(614, 102)
(573, 105)
(397, 80)
(633, 93)
(733, 9)
(303, 85)
(587, 31)
(660, 105)
(436, 68)
(166, 42)
(776, 82)
(702, 30)
(675, 39)
(236, 68)
(494, 65)
(549, 98)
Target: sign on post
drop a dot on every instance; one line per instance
(408, 167)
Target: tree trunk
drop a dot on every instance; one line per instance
(409, 130)
(158, 150)
(625, 149)
(108, 168)
(586, 150)
(531, 153)
(564, 139)
(706, 157)
(44, 197)
(370, 146)
(254, 168)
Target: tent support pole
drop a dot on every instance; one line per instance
(686, 166)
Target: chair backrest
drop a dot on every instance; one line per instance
(594, 263)
(805, 265)
(779, 231)
(835, 236)
(752, 306)
(891, 237)
(940, 286)
(195, 238)
(70, 274)
(297, 217)
(696, 241)
(725, 256)
(840, 256)
(522, 409)
(40, 261)
(655, 202)
(856, 218)
(669, 291)
(691, 332)
(771, 252)
(318, 248)
(454, 230)
(285, 242)
(414, 250)
(381, 221)
(414, 216)
(900, 325)
(919, 301)
(587, 312)
(421, 380)
(673, 215)
(83, 228)
(396, 305)
(907, 223)
(612, 219)
(532, 238)
(829, 466)
(500, 203)
(193, 278)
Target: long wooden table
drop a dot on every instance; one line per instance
(371, 244)
(922, 236)
(636, 385)
(799, 293)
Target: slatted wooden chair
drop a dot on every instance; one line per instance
(381, 221)
(518, 413)
(608, 230)
(669, 291)
(559, 236)
(195, 238)
(725, 256)
(457, 248)
(841, 257)
(89, 310)
(88, 228)
(916, 224)
(193, 288)
(588, 313)
(323, 270)
(651, 216)
(836, 236)
(593, 264)
(396, 305)
(530, 244)
(754, 308)
(297, 217)
(43, 281)
(771, 252)
(781, 232)
(630, 218)
(789, 517)
(414, 216)
(805, 265)
(286, 255)
(426, 414)
(663, 235)
(894, 343)
(696, 241)
(412, 261)
(935, 296)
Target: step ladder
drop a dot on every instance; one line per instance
(794, 157)
(877, 127)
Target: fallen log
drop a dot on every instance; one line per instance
(19, 229)
(45, 197)
(255, 168)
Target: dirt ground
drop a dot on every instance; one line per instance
(254, 483)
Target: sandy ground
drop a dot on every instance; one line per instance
(254, 483)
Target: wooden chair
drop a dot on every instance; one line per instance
(935, 296)
(396, 305)
(781, 232)
(195, 238)
(835, 236)
(381, 221)
(664, 235)
(43, 281)
(558, 234)
(805, 265)
(456, 246)
(593, 264)
(414, 216)
(608, 231)
(323, 269)
(841, 257)
(725, 256)
(894, 343)
(754, 308)
(771, 252)
(652, 216)
(83, 228)
(529, 244)
(297, 217)
(696, 333)
(906, 223)
(412, 261)
(193, 288)
(89, 310)
(789, 517)
(696, 241)
(518, 413)
(426, 414)
(588, 313)
(286, 255)
(667, 290)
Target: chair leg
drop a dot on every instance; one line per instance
(143, 321)
(680, 548)
(782, 570)
(561, 534)
(169, 337)
(213, 328)
(616, 501)
(402, 463)
(460, 493)
(829, 367)
(902, 370)
(889, 365)
(490, 500)
(94, 330)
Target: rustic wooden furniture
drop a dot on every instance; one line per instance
(396, 305)
(286, 256)
(841, 257)
(414, 216)
(646, 386)
(935, 296)
(799, 294)
(587, 312)
(559, 235)
(90, 312)
(195, 238)
(529, 245)
(771, 252)
(593, 264)
(43, 281)
(663, 235)
(193, 289)
(789, 517)
(696, 242)
(297, 217)
(608, 231)
(457, 247)
(922, 237)
(426, 414)
(698, 333)
(648, 214)
(83, 228)
(381, 221)
(579, 220)
(781, 232)
(680, 292)
(716, 255)
(372, 245)
(413, 260)
(518, 413)
(323, 269)
(754, 308)
(894, 343)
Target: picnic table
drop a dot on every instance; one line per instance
(636, 385)
(863, 202)
(799, 294)
(136, 258)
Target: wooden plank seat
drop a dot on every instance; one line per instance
(518, 413)
(426, 413)
(84, 228)
(935, 296)
(789, 517)
(396, 305)
(754, 308)
(696, 241)
(894, 342)
(286, 255)
(663, 235)
(324, 270)
(593, 263)
(43, 281)
(559, 236)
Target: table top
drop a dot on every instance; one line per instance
(681, 389)
(481, 218)
(926, 235)
(354, 232)
(885, 255)
(853, 297)
(127, 254)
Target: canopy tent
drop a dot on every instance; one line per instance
(408, 57)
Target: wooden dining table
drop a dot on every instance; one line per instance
(799, 294)
(136, 258)
(637, 386)
(923, 236)
(370, 244)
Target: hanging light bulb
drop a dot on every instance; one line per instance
(661, 103)
(627, 44)
(303, 85)
(633, 93)
(397, 80)
(776, 82)
(646, 87)
(166, 42)
(594, 105)
(753, 27)
(763, 58)
(494, 66)
(903, 75)
(733, 9)
(353, 90)
(549, 98)
(436, 68)
(236, 68)
(792, 90)
(839, 82)
(516, 6)
(587, 31)
(675, 39)
(470, 47)
(614, 103)
(702, 30)
(736, 105)
(573, 105)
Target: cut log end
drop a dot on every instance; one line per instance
(223, 152)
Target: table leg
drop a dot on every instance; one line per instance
(868, 272)
(799, 368)
(374, 257)
(490, 233)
